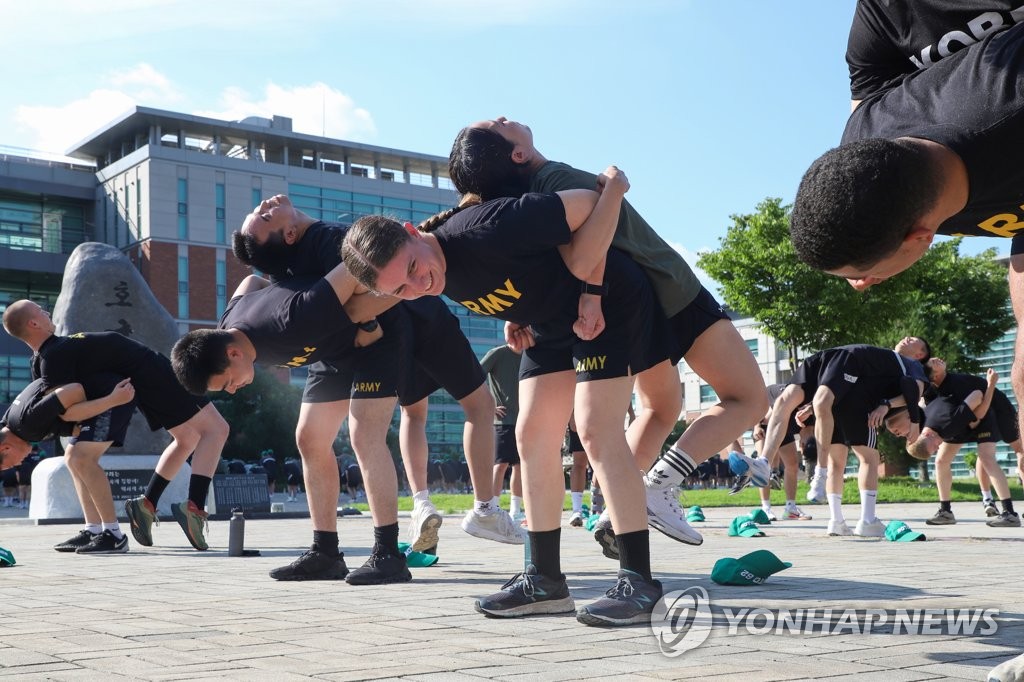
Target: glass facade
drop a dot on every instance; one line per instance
(34, 223)
(220, 221)
(345, 207)
(182, 208)
(183, 286)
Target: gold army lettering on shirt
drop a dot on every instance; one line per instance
(494, 302)
(300, 360)
(1003, 224)
(591, 363)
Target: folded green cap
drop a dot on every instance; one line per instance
(694, 508)
(749, 569)
(416, 559)
(744, 526)
(6, 558)
(695, 516)
(897, 531)
(759, 516)
(591, 521)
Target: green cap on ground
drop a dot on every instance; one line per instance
(749, 569)
(416, 559)
(744, 526)
(6, 558)
(759, 516)
(898, 531)
(695, 516)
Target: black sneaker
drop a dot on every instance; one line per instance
(631, 601)
(105, 543)
(1006, 519)
(605, 536)
(990, 509)
(381, 568)
(526, 594)
(313, 565)
(83, 538)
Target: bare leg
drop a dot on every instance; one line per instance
(478, 439)
(84, 461)
(545, 403)
(660, 400)
(315, 433)
(499, 478)
(412, 441)
(369, 420)
(89, 510)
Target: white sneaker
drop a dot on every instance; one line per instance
(795, 513)
(759, 471)
(423, 530)
(497, 526)
(664, 514)
(838, 528)
(576, 520)
(1008, 671)
(816, 493)
(771, 515)
(870, 529)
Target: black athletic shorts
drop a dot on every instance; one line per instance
(692, 321)
(161, 399)
(293, 469)
(505, 449)
(575, 444)
(9, 477)
(438, 353)
(359, 373)
(635, 338)
(111, 426)
(272, 469)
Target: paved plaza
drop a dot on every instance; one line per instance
(170, 613)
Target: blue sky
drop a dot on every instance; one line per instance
(709, 106)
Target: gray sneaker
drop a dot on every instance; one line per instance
(526, 594)
(1007, 519)
(141, 517)
(990, 509)
(605, 536)
(631, 601)
(942, 518)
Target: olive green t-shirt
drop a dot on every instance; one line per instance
(501, 365)
(673, 281)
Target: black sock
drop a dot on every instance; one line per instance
(198, 489)
(157, 485)
(945, 506)
(635, 552)
(546, 552)
(386, 538)
(1007, 505)
(325, 541)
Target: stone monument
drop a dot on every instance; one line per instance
(103, 291)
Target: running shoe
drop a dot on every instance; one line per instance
(497, 526)
(83, 538)
(816, 489)
(576, 520)
(990, 508)
(381, 568)
(757, 470)
(528, 593)
(605, 536)
(1007, 519)
(313, 565)
(141, 517)
(194, 521)
(425, 523)
(942, 518)
(631, 601)
(105, 543)
(795, 513)
(665, 514)
(870, 529)
(838, 528)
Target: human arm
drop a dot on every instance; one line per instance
(364, 305)
(590, 321)
(592, 218)
(249, 284)
(518, 337)
(979, 401)
(77, 408)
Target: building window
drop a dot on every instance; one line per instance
(707, 394)
(752, 345)
(183, 287)
(257, 197)
(138, 209)
(182, 208)
(222, 287)
(221, 224)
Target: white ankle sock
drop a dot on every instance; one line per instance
(867, 504)
(835, 507)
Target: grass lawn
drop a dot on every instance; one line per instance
(897, 489)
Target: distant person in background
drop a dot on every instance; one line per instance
(293, 472)
(577, 475)
(501, 367)
(271, 468)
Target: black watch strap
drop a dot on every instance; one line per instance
(594, 289)
(369, 326)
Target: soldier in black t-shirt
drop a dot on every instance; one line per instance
(39, 413)
(790, 458)
(285, 243)
(522, 261)
(891, 40)
(195, 426)
(963, 408)
(852, 389)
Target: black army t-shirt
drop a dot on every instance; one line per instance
(316, 254)
(34, 414)
(66, 359)
(292, 323)
(889, 40)
(959, 386)
(971, 103)
(948, 417)
(502, 259)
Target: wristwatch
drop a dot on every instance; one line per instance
(886, 402)
(370, 326)
(594, 289)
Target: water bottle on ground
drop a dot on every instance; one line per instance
(236, 533)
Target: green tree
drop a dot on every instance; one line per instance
(261, 415)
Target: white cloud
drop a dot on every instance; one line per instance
(691, 259)
(316, 109)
